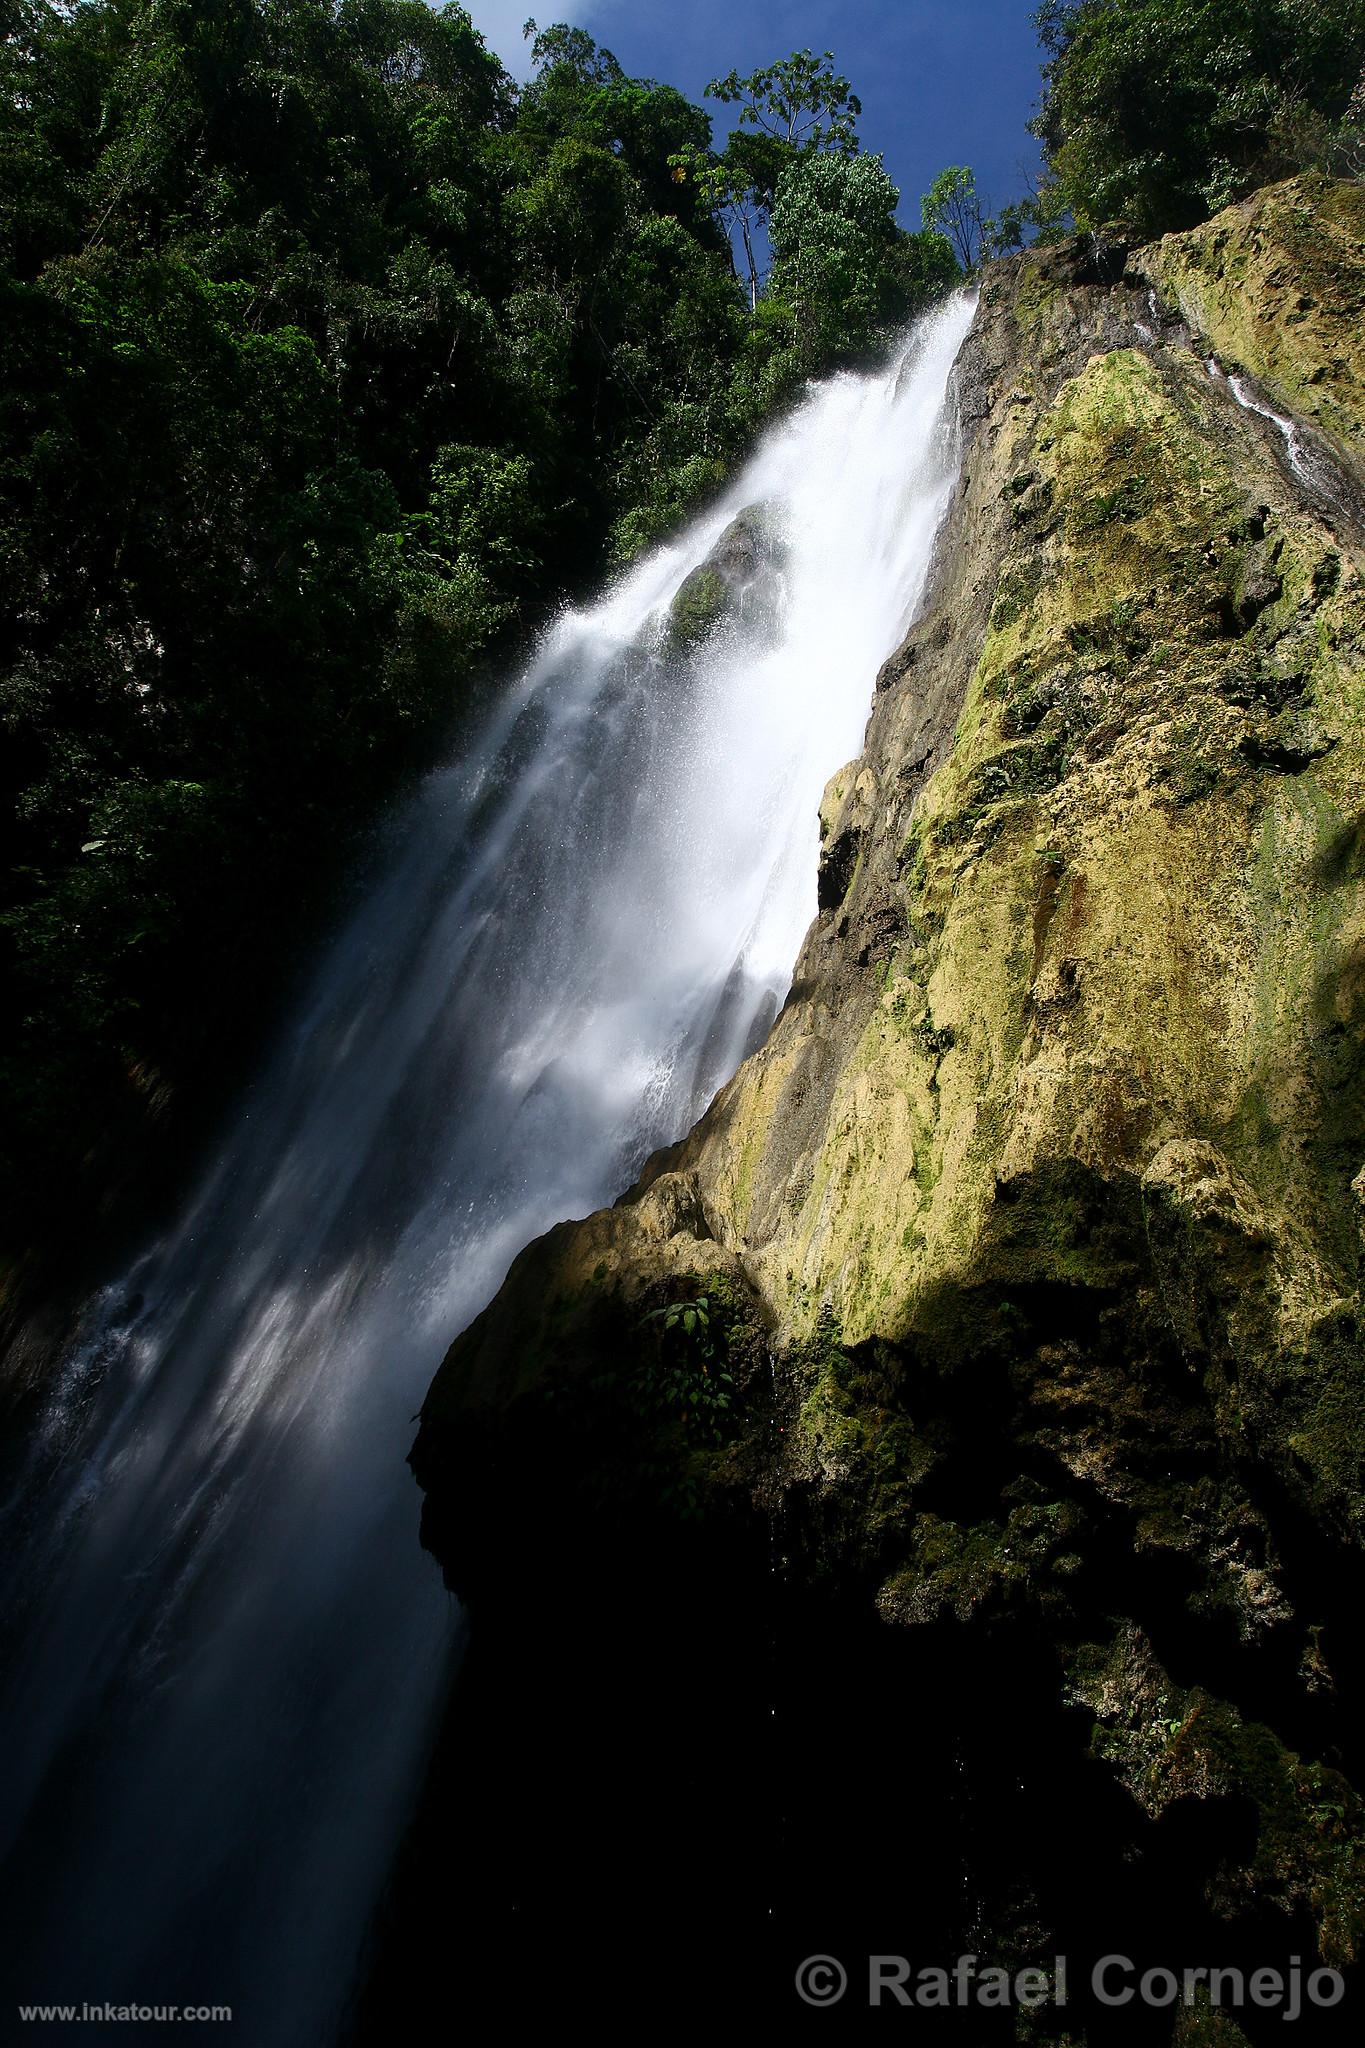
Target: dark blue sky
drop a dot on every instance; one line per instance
(941, 81)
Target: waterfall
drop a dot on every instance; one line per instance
(230, 1651)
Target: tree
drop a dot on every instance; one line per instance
(725, 190)
(580, 90)
(1347, 151)
(801, 102)
(789, 109)
(835, 240)
(569, 53)
(1158, 112)
(952, 208)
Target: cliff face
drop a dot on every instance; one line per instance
(1028, 1247)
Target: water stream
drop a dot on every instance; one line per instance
(230, 1651)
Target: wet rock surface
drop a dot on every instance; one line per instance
(1009, 1602)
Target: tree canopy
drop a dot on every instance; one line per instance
(1158, 112)
(841, 267)
(801, 102)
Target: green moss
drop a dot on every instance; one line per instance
(971, 1571)
(696, 611)
(1035, 295)
(1167, 1744)
(1131, 498)
(1202, 2025)
(1325, 1400)
(935, 1039)
(1278, 288)
(1015, 592)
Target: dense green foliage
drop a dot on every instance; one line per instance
(1159, 112)
(842, 269)
(327, 359)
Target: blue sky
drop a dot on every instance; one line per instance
(941, 81)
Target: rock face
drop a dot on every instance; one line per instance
(1029, 1245)
(739, 583)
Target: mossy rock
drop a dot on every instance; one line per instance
(1042, 1206)
(696, 611)
(742, 563)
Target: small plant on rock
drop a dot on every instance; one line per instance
(688, 1375)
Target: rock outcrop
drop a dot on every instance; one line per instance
(1023, 1262)
(739, 584)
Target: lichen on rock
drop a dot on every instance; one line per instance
(1041, 1204)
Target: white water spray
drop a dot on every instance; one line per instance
(232, 1652)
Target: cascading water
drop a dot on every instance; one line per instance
(232, 1651)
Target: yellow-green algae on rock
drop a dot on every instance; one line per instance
(1277, 285)
(1037, 1221)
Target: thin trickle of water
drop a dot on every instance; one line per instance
(1322, 481)
(1288, 429)
(1305, 461)
(229, 1650)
